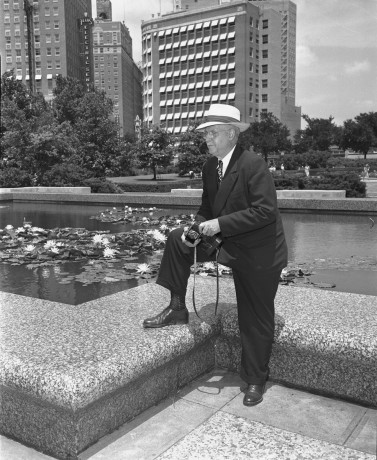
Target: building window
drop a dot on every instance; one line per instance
(250, 82)
(264, 39)
(48, 51)
(47, 11)
(57, 65)
(56, 24)
(250, 97)
(57, 51)
(251, 22)
(57, 38)
(264, 83)
(48, 38)
(264, 97)
(265, 24)
(47, 25)
(265, 68)
(265, 54)
(49, 64)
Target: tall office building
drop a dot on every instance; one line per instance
(290, 114)
(115, 72)
(217, 51)
(41, 38)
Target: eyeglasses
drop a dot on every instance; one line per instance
(214, 132)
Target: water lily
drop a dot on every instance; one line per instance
(158, 236)
(35, 229)
(50, 244)
(178, 221)
(54, 250)
(209, 266)
(284, 272)
(163, 227)
(143, 268)
(9, 227)
(29, 248)
(60, 244)
(19, 229)
(27, 225)
(145, 219)
(97, 239)
(109, 253)
(105, 241)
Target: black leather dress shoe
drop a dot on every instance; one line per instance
(253, 395)
(168, 317)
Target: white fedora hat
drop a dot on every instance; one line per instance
(223, 114)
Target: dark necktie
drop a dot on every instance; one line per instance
(219, 172)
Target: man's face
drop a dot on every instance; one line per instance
(218, 140)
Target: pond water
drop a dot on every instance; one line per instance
(335, 248)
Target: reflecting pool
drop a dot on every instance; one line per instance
(336, 248)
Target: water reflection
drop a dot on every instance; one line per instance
(316, 235)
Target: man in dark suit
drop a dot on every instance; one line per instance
(239, 205)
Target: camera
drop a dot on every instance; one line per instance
(208, 243)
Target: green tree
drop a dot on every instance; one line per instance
(360, 134)
(192, 150)
(318, 135)
(25, 120)
(90, 115)
(154, 149)
(267, 136)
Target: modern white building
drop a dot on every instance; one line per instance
(215, 51)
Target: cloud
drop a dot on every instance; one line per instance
(305, 56)
(356, 68)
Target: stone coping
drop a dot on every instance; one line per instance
(189, 200)
(87, 369)
(306, 194)
(74, 190)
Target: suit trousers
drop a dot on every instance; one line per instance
(255, 293)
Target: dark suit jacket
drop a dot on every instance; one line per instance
(246, 206)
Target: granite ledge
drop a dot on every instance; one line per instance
(72, 355)
(324, 341)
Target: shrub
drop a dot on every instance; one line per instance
(356, 163)
(65, 174)
(15, 177)
(101, 185)
(351, 183)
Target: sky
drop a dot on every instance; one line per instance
(336, 52)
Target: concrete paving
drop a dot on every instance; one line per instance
(207, 419)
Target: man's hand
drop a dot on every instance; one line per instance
(210, 227)
(187, 243)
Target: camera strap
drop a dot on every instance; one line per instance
(217, 284)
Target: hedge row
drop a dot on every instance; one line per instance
(351, 183)
(159, 187)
